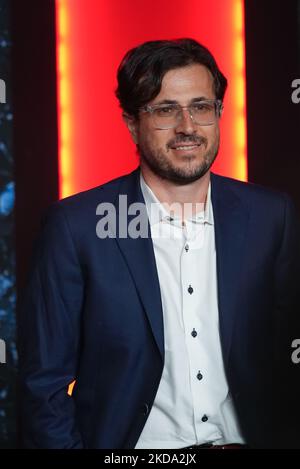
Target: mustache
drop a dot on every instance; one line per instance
(196, 139)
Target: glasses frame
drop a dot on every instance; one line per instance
(217, 103)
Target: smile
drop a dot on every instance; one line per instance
(186, 147)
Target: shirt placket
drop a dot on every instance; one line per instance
(192, 297)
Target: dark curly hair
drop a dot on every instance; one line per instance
(141, 71)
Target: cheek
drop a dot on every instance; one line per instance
(155, 139)
(213, 135)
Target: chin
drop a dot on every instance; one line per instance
(191, 170)
(186, 177)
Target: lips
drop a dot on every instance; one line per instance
(184, 146)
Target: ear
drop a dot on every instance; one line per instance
(132, 125)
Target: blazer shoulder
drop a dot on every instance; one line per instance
(88, 200)
(252, 192)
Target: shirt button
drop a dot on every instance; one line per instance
(190, 290)
(194, 333)
(204, 418)
(199, 376)
(186, 247)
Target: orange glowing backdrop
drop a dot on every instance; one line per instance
(93, 36)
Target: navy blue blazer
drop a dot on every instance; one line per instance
(93, 313)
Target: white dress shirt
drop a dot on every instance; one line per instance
(192, 404)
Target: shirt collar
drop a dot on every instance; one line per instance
(157, 212)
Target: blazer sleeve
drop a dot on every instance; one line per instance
(287, 278)
(49, 338)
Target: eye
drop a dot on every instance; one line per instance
(165, 111)
(202, 107)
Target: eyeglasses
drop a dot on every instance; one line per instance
(168, 116)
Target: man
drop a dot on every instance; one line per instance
(180, 336)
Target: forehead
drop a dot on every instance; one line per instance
(186, 83)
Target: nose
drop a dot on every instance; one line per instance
(185, 124)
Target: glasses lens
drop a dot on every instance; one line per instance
(166, 117)
(203, 113)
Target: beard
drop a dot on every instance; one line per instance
(165, 168)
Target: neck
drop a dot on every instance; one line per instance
(193, 193)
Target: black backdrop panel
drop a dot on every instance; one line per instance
(273, 120)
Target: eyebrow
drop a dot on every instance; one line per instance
(173, 101)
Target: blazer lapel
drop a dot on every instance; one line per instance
(231, 218)
(139, 256)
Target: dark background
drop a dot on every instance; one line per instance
(27, 63)
(273, 120)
